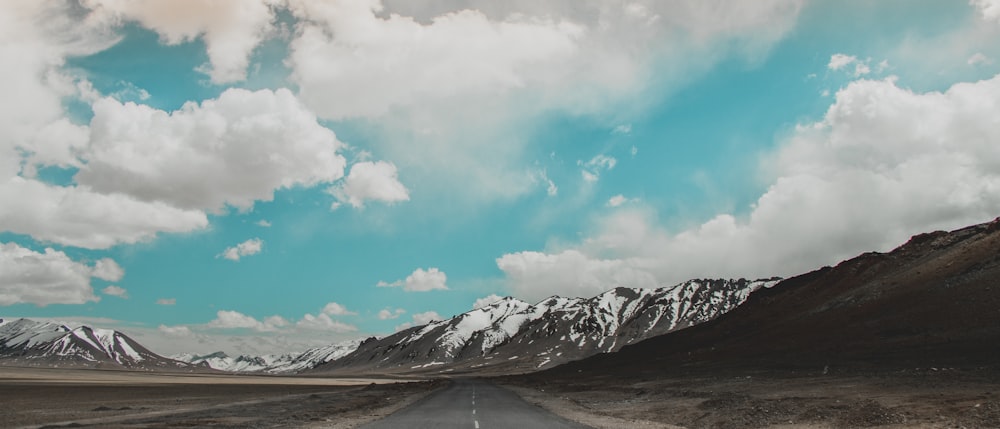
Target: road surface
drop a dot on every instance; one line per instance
(473, 404)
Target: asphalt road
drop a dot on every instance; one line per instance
(472, 404)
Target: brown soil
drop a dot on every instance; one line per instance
(919, 399)
(65, 398)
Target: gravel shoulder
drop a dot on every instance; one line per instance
(931, 398)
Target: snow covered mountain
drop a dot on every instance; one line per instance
(32, 343)
(510, 335)
(276, 364)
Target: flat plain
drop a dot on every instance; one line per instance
(38, 397)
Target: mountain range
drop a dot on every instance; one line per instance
(275, 364)
(932, 303)
(511, 335)
(26, 342)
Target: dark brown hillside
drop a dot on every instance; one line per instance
(932, 302)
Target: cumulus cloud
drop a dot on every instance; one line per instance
(371, 181)
(619, 200)
(335, 309)
(324, 322)
(420, 319)
(108, 269)
(412, 69)
(861, 67)
(230, 29)
(486, 300)
(228, 319)
(839, 61)
(263, 223)
(78, 216)
(989, 9)
(252, 246)
(36, 40)
(175, 331)
(166, 301)
(49, 277)
(398, 61)
(233, 150)
(115, 291)
(420, 281)
(388, 314)
(863, 178)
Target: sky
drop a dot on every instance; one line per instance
(264, 176)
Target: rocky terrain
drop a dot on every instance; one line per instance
(26, 342)
(513, 336)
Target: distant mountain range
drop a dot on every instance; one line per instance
(30, 343)
(507, 335)
(276, 364)
(932, 303)
(511, 335)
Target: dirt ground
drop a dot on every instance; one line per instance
(88, 398)
(929, 398)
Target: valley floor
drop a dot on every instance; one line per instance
(927, 398)
(77, 398)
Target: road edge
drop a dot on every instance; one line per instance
(575, 412)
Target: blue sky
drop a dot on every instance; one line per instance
(265, 176)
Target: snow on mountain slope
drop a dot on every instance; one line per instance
(513, 335)
(285, 363)
(29, 342)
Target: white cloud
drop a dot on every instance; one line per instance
(36, 39)
(230, 29)
(389, 314)
(263, 223)
(619, 200)
(420, 281)
(77, 216)
(115, 291)
(839, 61)
(396, 61)
(325, 323)
(370, 181)
(228, 319)
(863, 178)
(412, 69)
(426, 317)
(250, 247)
(591, 170)
(420, 319)
(50, 277)
(623, 129)
(861, 67)
(335, 309)
(166, 301)
(542, 176)
(175, 331)
(485, 301)
(989, 9)
(233, 150)
(536, 275)
(978, 58)
(108, 269)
